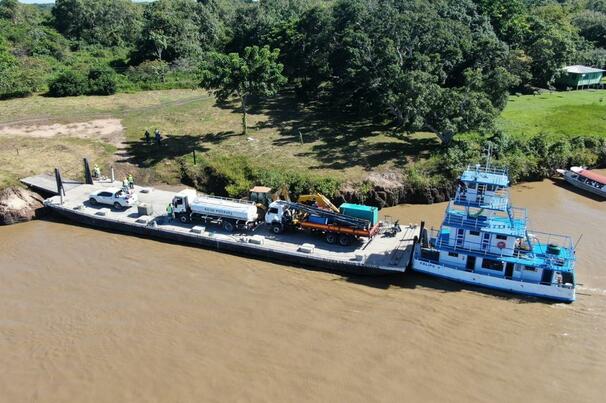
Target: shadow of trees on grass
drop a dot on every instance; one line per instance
(172, 146)
(341, 139)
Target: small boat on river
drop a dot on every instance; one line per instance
(585, 179)
(485, 241)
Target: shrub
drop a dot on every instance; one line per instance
(68, 84)
(150, 71)
(101, 81)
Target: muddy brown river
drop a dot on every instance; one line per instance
(92, 316)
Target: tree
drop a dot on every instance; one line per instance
(257, 72)
(592, 26)
(175, 29)
(9, 9)
(105, 22)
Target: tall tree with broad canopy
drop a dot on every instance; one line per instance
(257, 72)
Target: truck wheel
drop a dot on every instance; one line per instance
(183, 218)
(277, 229)
(331, 238)
(228, 226)
(117, 206)
(345, 240)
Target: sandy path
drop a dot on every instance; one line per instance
(108, 130)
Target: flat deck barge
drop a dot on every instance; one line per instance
(384, 253)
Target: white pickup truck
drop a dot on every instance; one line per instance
(114, 197)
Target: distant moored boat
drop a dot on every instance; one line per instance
(585, 179)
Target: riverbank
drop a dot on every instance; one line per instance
(289, 144)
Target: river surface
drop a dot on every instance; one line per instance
(92, 316)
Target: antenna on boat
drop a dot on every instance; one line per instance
(488, 154)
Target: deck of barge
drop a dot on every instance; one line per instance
(383, 252)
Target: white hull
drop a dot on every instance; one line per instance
(571, 178)
(498, 283)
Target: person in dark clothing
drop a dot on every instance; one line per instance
(158, 137)
(147, 137)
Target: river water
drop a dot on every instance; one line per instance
(91, 316)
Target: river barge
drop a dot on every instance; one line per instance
(485, 241)
(389, 251)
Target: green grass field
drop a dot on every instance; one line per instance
(334, 145)
(557, 113)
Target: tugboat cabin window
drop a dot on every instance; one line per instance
(530, 268)
(273, 210)
(502, 237)
(474, 233)
(492, 264)
(453, 254)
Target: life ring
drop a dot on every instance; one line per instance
(501, 245)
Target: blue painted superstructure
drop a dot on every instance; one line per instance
(484, 240)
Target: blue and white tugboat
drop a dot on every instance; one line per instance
(484, 240)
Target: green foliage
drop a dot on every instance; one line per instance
(104, 22)
(257, 72)
(176, 29)
(97, 81)
(101, 81)
(9, 9)
(68, 84)
(237, 175)
(150, 71)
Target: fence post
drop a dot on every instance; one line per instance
(194, 157)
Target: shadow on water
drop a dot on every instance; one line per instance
(565, 185)
(412, 280)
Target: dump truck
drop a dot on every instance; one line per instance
(336, 227)
(228, 213)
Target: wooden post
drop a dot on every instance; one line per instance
(60, 188)
(194, 157)
(88, 178)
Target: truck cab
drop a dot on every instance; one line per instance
(181, 204)
(277, 216)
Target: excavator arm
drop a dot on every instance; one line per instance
(319, 200)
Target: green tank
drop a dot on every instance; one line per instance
(360, 211)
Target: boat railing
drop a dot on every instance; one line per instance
(477, 248)
(457, 218)
(497, 201)
(540, 244)
(487, 169)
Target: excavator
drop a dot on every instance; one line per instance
(263, 196)
(318, 200)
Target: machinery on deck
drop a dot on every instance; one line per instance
(336, 227)
(318, 200)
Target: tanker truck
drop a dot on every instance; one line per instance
(225, 212)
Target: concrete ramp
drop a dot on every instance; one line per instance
(48, 184)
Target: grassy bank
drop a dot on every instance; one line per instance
(557, 113)
(291, 143)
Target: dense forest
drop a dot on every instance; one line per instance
(444, 65)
